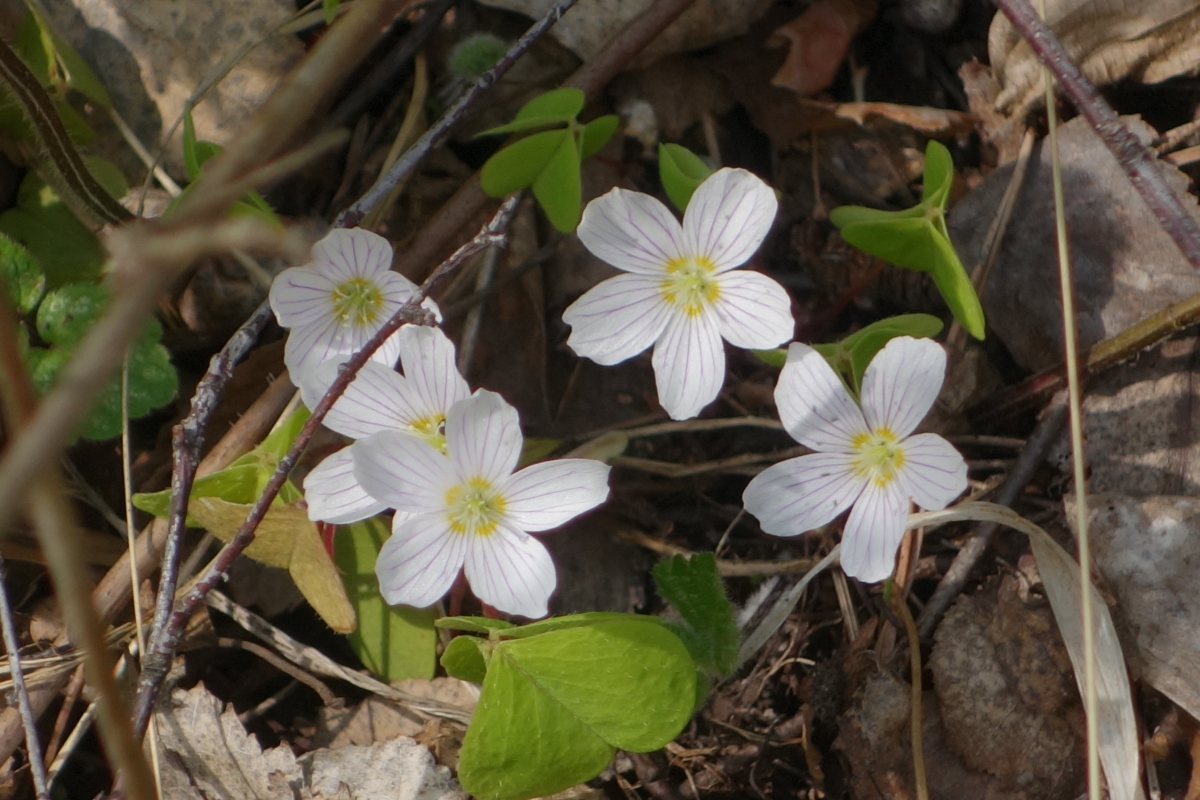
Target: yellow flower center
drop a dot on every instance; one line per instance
(879, 456)
(432, 430)
(690, 284)
(357, 301)
(474, 507)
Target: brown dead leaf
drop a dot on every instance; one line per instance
(1125, 267)
(377, 719)
(817, 42)
(1145, 40)
(930, 121)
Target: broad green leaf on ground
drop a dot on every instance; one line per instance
(63, 319)
(917, 238)
(681, 172)
(558, 187)
(709, 629)
(395, 642)
(596, 134)
(285, 538)
(519, 164)
(20, 277)
(554, 706)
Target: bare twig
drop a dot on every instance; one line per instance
(956, 577)
(434, 136)
(328, 698)
(1134, 157)
(156, 662)
(37, 766)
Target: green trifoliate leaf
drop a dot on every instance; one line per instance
(559, 189)
(596, 134)
(939, 175)
(473, 624)
(518, 165)
(396, 642)
(851, 356)
(564, 104)
(556, 705)
(21, 278)
(709, 628)
(464, 659)
(681, 172)
(955, 286)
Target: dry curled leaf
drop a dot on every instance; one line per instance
(817, 42)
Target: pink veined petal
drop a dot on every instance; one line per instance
(632, 231)
(432, 382)
(334, 495)
(753, 311)
(347, 253)
(373, 402)
(728, 217)
(797, 495)
(483, 437)
(617, 319)
(873, 531)
(418, 563)
(689, 364)
(933, 470)
(511, 571)
(816, 409)
(301, 296)
(403, 471)
(309, 346)
(546, 495)
(901, 383)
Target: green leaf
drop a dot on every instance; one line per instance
(905, 241)
(518, 165)
(236, 483)
(67, 314)
(564, 104)
(35, 48)
(473, 624)
(596, 134)
(520, 126)
(558, 188)
(20, 276)
(710, 629)
(395, 642)
(774, 358)
(681, 172)
(464, 659)
(567, 623)
(555, 706)
(861, 346)
(536, 448)
(956, 287)
(939, 175)
(330, 7)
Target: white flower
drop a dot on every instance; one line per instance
(467, 508)
(681, 295)
(380, 400)
(864, 458)
(340, 300)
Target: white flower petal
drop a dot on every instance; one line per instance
(901, 383)
(617, 319)
(334, 495)
(432, 382)
(934, 471)
(544, 496)
(483, 437)
(511, 572)
(373, 402)
(347, 253)
(873, 532)
(301, 296)
(803, 493)
(689, 364)
(403, 471)
(418, 563)
(632, 231)
(753, 311)
(728, 217)
(309, 346)
(814, 406)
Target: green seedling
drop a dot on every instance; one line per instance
(850, 357)
(917, 238)
(559, 696)
(681, 172)
(548, 161)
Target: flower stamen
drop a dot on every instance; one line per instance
(880, 456)
(358, 301)
(690, 285)
(474, 507)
